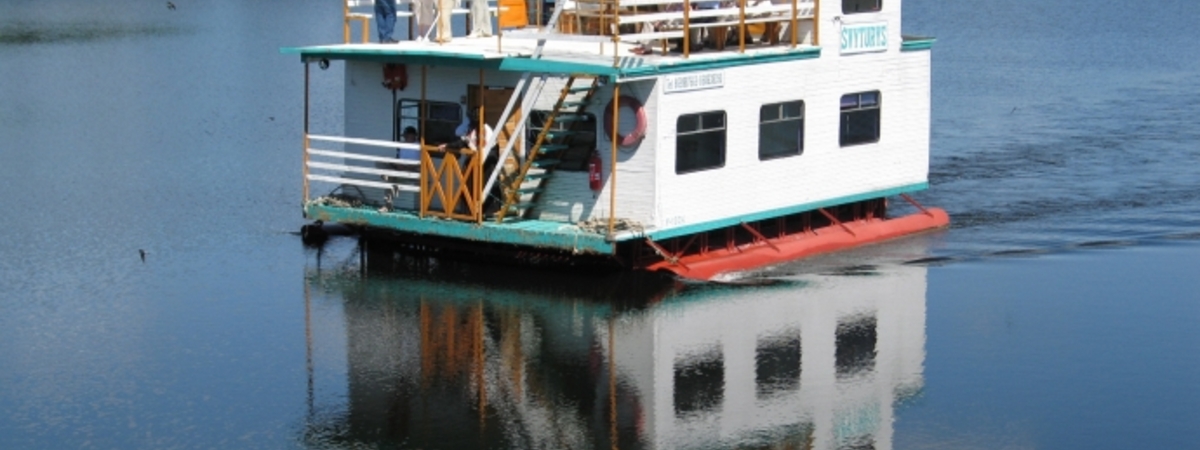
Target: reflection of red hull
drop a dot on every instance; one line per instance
(827, 239)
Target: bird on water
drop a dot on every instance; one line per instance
(170, 6)
(143, 254)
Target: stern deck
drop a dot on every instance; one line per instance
(535, 233)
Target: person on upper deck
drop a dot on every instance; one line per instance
(423, 14)
(385, 20)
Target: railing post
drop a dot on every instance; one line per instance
(687, 28)
(345, 22)
(305, 169)
(426, 161)
(612, 168)
(476, 169)
(795, 31)
(741, 26)
(816, 40)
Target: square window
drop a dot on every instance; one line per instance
(861, 6)
(783, 134)
(860, 118)
(700, 142)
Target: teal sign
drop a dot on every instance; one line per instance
(864, 37)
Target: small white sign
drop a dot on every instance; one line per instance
(693, 82)
(864, 37)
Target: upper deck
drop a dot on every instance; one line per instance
(630, 39)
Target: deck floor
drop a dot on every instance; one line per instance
(535, 233)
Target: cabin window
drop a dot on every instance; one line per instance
(442, 118)
(700, 142)
(861, 6)
(579, 137)
(780, 130)
(855, 347)
(699, 383)
(777, 364)
(860, 118)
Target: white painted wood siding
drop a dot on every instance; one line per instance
(825, 170)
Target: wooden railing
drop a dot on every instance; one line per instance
(648, 20)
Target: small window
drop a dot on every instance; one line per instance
(860, 118)
(777, 365)
(700, 142)
(442, 119)
(579, 137)
(699, 383)
(780, 130)
(855, 346)
(861, 6)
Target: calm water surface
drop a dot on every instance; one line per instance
(1061, 312)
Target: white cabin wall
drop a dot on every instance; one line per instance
(568, 197)
(648, 347)
(368, 103)
(825, 170)
(369, 114)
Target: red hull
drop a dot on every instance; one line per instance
(832, 238)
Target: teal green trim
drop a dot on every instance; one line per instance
(913, 43)
(722, 223)
(428, 57)
(532, 233)
(724, 61)
(632, 68)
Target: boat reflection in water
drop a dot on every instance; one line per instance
(453, 356)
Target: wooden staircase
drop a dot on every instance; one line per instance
(525, 185)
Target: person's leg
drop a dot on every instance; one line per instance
(423, 12)
(385, 19)
(481, 19)
(444, 23)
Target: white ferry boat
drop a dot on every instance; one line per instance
(695, 137)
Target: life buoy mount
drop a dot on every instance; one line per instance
(395, 76)
(639, 129)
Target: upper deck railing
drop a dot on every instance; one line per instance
(640, 21)
(689, 24)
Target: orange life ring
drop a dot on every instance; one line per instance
(639, 130)
(395, 76)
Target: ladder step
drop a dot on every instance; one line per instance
(569, 117)
(532, 190)
(555, 134)
(537, 176)
(578, 89)
(545, 163)
(520, 206)
(575, 103)
(548, 148)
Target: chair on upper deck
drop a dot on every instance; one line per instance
(363, 18)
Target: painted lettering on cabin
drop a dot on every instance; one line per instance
(693, 82)
(864, 37)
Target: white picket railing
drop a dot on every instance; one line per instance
(341, 170)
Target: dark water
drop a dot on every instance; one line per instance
(1060, 310)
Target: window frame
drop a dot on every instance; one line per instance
(780, 118)
(878, 6)
(857, 110)
(722, 130)
(404, 118)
